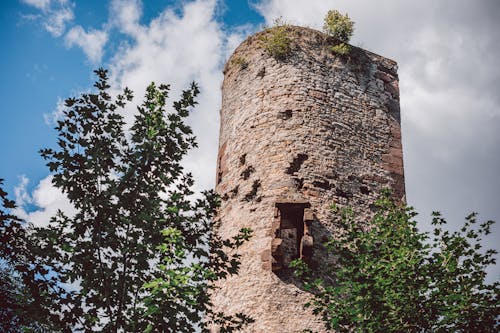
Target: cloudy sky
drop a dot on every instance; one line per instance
(448, 53)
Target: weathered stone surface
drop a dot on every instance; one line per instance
(311, 130)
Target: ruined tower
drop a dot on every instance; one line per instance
(297, 135)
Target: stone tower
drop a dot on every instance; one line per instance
(296, 136)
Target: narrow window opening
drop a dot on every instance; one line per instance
(291, 231)
(292, 239)
(221, 164)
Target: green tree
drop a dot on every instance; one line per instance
(393, 278)
(20, 293)
(140, 253)
(340, 27)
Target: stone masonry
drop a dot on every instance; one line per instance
(298, 135)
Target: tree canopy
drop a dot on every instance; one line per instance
(390, 277)
(140, 253)
(338, 25)
(341, 28)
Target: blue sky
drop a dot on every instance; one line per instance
(447, 53)
(39, 69)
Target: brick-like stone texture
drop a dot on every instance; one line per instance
(313, 129)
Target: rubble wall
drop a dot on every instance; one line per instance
(312, 129)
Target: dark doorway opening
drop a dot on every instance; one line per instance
(291, 233)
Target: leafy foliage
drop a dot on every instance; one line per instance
(20, 294)
(178, 296)
(276, 41)
(140, 253)
(241, 62)
(341, 49)
(393, 278)
(340, 27)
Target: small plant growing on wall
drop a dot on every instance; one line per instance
(240, 61)
(340, 27)
(277, 41)
(341, 49)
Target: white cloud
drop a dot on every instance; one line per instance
(55, 14)
(40, 4)
(125, 15)
(178, 47)
(20, 191)
(52, 118)
(300, 12)
(92, 42)
(46, 198)
(235, 37)
(56, 20)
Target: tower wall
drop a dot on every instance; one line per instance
(296, 136)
